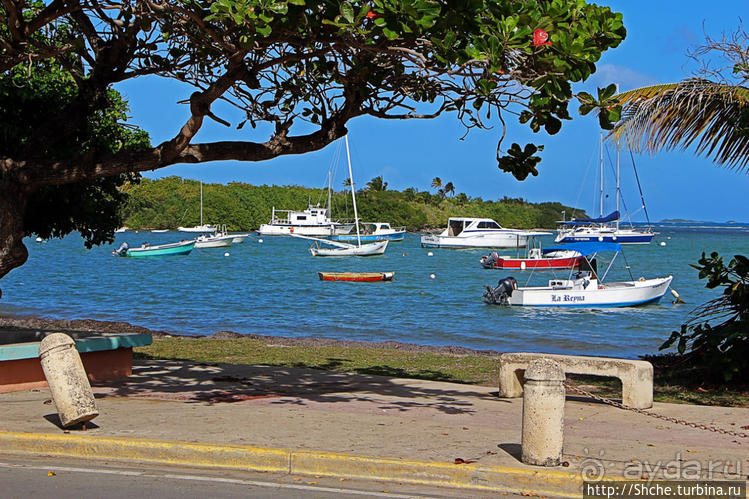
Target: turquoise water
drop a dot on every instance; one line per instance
(272, 288)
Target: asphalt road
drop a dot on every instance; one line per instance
(23, 477)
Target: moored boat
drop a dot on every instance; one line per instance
(213, 241)
(373, 231)
(356, 276)
(583, 288)
(145, 250)
(537, 259)
(464, 232)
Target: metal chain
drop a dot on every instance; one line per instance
(654, 415)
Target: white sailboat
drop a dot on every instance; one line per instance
(199, 228)
(604, 228)
(336, 248)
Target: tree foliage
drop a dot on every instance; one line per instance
(719, 350)
(294, 72)
(709, 111)
(170, 202)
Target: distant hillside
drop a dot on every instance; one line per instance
(171, 202)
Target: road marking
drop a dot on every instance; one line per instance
(199, 478)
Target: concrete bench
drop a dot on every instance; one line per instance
(104, 356)
(636, 375)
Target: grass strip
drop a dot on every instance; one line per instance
(479, 368)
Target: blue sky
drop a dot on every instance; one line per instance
(412, 153)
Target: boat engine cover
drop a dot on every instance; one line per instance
(500, 294)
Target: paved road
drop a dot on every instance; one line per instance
(24, 477)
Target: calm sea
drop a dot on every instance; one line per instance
(271, 287)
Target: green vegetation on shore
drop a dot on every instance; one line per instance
(173, 201)
(413, 362)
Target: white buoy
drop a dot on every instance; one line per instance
(432, 276)
(600, 238)
(260, 240)
(39, 239)
(677, 296)
(226, 254)
(663, 243)
(430, 254)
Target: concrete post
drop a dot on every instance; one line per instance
(543, 413)
(67, 379)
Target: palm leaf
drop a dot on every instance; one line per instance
(677, 115)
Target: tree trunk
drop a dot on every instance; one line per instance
(13, 253)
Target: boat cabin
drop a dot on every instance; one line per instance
(313, 215)
(457, 225)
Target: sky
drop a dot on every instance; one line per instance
(411, 153)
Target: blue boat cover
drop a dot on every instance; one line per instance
(586, 248)
(611, 217)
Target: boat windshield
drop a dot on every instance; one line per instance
(455, 227)
(488, 224)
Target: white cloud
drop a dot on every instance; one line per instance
(626, 78)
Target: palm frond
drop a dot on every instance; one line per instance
(676, 115)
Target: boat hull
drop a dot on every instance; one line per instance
(214, 242)
(617, 294)
(496, 240)
(370, 249)
(534, 263)
(604, 235)
(181, 248)
(356, 276)
(351, 238)
(302, 230)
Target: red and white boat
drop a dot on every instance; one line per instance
(553, 258)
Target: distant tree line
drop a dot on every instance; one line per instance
(171, 202)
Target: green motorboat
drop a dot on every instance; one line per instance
(180, 248)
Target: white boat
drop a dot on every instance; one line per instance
(315, 221)
(199, 228)
(604, 228)
(374, 231)
(337, 248)
(462, 232)
(159, 230)
(582, 288)
(213, 240)
(239, 238)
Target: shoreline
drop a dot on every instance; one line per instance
(8, 322)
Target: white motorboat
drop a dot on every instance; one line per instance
(202, 228)
(582, 288)
(213, 241)
(462, 232)
(239, 238)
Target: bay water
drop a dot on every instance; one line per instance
(272, 288)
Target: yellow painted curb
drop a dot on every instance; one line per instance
(473, 476)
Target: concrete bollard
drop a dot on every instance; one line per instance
(543, 413)
(67, 379)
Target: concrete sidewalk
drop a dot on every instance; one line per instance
(349, 425)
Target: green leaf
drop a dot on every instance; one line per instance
(347, 11)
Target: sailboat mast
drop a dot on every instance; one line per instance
(330, 206)
(601, 161)
(618, 147)
(201, 203)
(353, 193)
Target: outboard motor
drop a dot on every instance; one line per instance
(500, 294)
(122, 250)
(488, 261)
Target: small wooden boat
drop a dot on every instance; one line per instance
(180, 248)
(356, 276)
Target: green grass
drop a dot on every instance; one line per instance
(471, 369)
